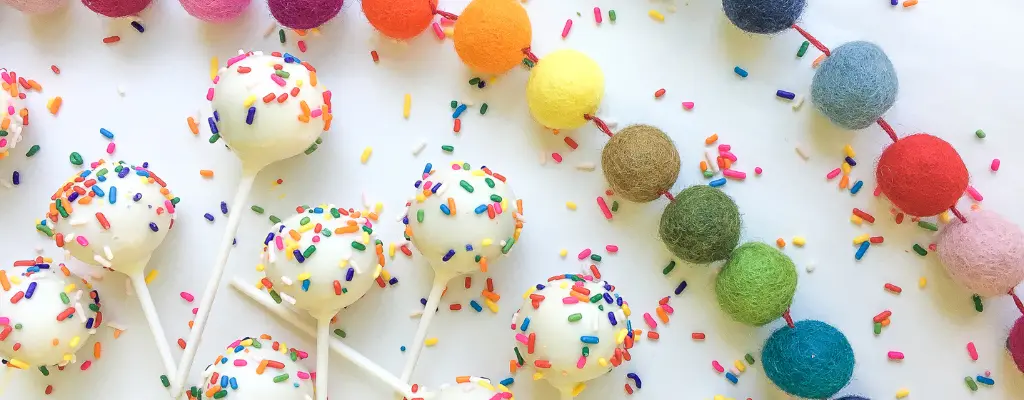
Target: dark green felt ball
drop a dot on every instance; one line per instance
(701, 225)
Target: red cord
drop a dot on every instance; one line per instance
(1016, 300)
(789, 319)
(600, 124)
(958, 214)
(669, 196)
(813, 41)
(446, 14)
(887, 128)
(530, 55)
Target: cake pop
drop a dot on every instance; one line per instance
(460, 220)
(321, 260)
(114, 215)
(13, 116)
(256, 369)
(46, 314)
(472, 388)
(572, 329)
(266, 108)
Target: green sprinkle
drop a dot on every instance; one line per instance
(928, 225)
(214, 138)
(280, 378)
(527, 63)
(367, 229)
(280, 34)
(60, 209)
(275, 296)
(489, 182)
(878, 328)
(304, 221)
(257, 344)
(466, 185)
(980, 133)
(977, 303)
(595, 257)
(474, 81)
(45, 229)
(45, 371)
(166, 382)
(465, 166)
(970, 382)
(358, 246)
(483, 109)
(223, 393)
(309, 251)
(575, 278)
(920, 250)
(596, 298)
(575, 317)
(102, 172)
(611, 15)
(335, 213)
(94, 307)
(519, 357)
(478, 258)
(76, 158)
(708, 174)
(615, 205)
(275, 219)
(32, 151)
(419, 216)
(257, 209)
(282, 73)
(455, 104)
(340, 333)
(64, 298)
(3, 133)
(326, 233)
(668, 268)
(495, 198)
(448, 148)
(508, 245)
(195, 392)
(311, 149)
(803, 49)
(586, 351)
(749, 358)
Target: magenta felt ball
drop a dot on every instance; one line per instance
(36, 6)
(1015, 343)
(985, 255)
(304, 14)
(117, 8)
(215, 10)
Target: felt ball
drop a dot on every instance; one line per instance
(701, 225)
(563, 87)
(36, 6)
(640, 163)
(116, 8)
(490, 35)
(215, 10)
(763, 16)
(400, 19)
(304, 14)
(757, 284)
(1015, 343)
(811, 360)
(855, 85)
(985, 255)
(922, 175)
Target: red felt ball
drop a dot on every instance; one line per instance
(922, 175)
(400, 19)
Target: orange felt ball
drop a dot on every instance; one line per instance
(400, 19)
(490, 35)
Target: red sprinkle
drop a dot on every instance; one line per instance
(55, 69)
(455, 307)
(882, 316)
(49, 389)
(893, 288)
(876, 239)
(373, 54)
(302, 46)
(181, 343)
(659, 93)
(86, 365)
(697, 336)
(863, 215)
(629, 389)
(571, 143)
(111, 39)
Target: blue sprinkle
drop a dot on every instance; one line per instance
(427, 168)
(784, 94)
(146, 164)
(31, 290)
(851, 161)
(318, 210)
(270, 236)
(740, 71)
(142, 172)
(525, 325)
(213, 126)
(42, 266)
(680, 288)
(863, 248)
(405, 220)
(99, 192)
(137, 197)
(476, 306)
(590, 339)
(16, 178)
(446, 210)
(618, 301)
(717, 182)
(402, 348)
(540, 286)
(611, 318)
(629, 328)
(234, 384)
(459, 111)
(423, 301)
(113, 195)
(635, 378)
(249, 117)
(507, 381)
(305, 285)
(298, 256)
(480, 209)
(349, 274)
(223, 380)
(224, 208)
(32, 269)
(731, 378)
(393, 281)
(88, 324)
(107, 134)
(153, 227)
(986, 380)
(856, 187)
(608, 298)
(209, 217)
(141, 29)
(448, 255)
(238, 349)
(85, 174)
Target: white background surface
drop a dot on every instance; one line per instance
(957, 63)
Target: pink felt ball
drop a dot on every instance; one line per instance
(36, 6)
(117, 8)
(1015, 343)
(985, 255)
(215, 10)
(304, 14)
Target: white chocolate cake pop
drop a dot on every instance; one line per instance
(268, 107)
(572, 329)
(13, 117)
(472, 388)
(321, 260)
(113, 215)
(256, 369)
(462, 219)
(46, 314)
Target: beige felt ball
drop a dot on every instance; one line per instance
(563, 87)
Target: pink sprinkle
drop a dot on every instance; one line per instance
(650, 321)
(316, 113)
(497, 208)
(582, 362)
(974, 193)
(169, 206)
(731, 173)
(611, 248)
(604, 208)
(932, 247)
(597, 15)
(237, 58)
(111, 147)
(437, 31)
(583, 254)
(523, 339)
(10, 110)
(7, 77)
(570, 300)
(241, 363)
(895, 355)
(302, 354)
(302, 375)
(209, 94)
(988, 373)
(728, 155)
(86, 365)
(188, 296)
(568, 26)
(279, 242)
(3, 142)
(278, 80)
(557, 157)
(834, 174)
(82, 240)
(196, 311)
(724, 147)
(316, 239)
(758, 170)
(216, 79)
(717, 366)
(668, 309)
(971, 350)
(995, 164)
(5, 321)
(878, 190)
(687, 105)
(447, 22)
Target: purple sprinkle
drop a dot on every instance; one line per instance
(123, 173)
(298, 256)
(611, 318)
(145, 164)
(270, 237)
(608, 298)
(348, 275)
(448, 256)
(16, 178)
(681, 287)
(213, 126)
(137, 197)
(851, 161)
(209, 217)
(216, 115)
(251, 115)
(423, 301)
(88, 324)
(393, 281)
(72, 197)
(153, 227)
(224, 208)
(31, 290)
(635, 378)
(138, 26)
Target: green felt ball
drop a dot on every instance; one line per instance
(701, 225)
(757, 284)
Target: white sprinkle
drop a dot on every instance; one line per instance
(418, 148)
(810, 268)
(468, 103)
(712, 163)
(108, 253)
(416, 314)
(289, 299)
(366, 201)
(587, 166)
(7, 184)
(77, 222)
(798, 102)
(800, 151)
(355, 266)
(270, 29)
(101, 260)
(286, 280)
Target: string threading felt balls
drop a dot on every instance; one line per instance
(490, 35)
(304, 14)
(701, 225)
(563, 87)
(855, 86)
(116, 8)
(1015, 343)
(36, 6)
(400, 19)
(922, 175)
(763, 16)
(811, 360)
(985, 254)
(757, 284)
(215, 10)
(640, 163)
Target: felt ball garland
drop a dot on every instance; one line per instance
(640, 163)
(1015, 343)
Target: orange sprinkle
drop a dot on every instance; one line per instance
(909, 3)
(4, 283)
(117, 333)
(662, 315)
(711, 139)
(703, 166)
(54, 105)
(262, 367)
(483, 264)
(312, 78)
(490, 295)
(269, 98)
(295, 235)
(304, 107)
(845, 182)
(35, 85)
(817, 61)
(345, 229)
(111, 39)
(304, 118)
(513, 366)
(653, 335)
(193, 125)
(780, 242)
(451, 205)
(97, 349)
(213, 390)
(462, 379)
(885, 322)
(206, 173)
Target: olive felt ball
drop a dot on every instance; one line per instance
(640, 163)
(701, 225)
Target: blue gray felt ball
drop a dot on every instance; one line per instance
(855, 85)
(763, 16)
(812, 360)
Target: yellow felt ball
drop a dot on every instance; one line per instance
(563, 87)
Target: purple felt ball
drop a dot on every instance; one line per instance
(304, 14)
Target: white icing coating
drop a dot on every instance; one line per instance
(335, 255)
(559, 341)
(41, 326)
(475, 389)
(11, 109)
(277, 131)
(136, 227)
(239, 367)
(439, 233)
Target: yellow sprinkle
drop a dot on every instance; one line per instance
(377, 208)
(303, 276)
(476, 172)
(259, 284)
(246, 342)
(562, 253)
(249, 100)
(448, 32)
(861, 239)
(486, 242)
(420, 197)
(17, 364)
(902, 393)
(378, 271)
(719, 397)
(408, 106)
(306, 228)
(602, 362)
(621, 336)
(366, 154)
(491, 305)
(151, 276)
(538, 376)
(486, 385)
(656, 15)
(214, 66)
(74, 342)
(855, 219)
(68, 356)
(799, 241)
(571, 205)
(625, 309)
(528, 292)
(848, 150)
(430, 342)
(69, 288)
(578, 389)
(944, 217)
(739, 365)
(846, 168)
(260, 267)
(921, 283)
(391, 250)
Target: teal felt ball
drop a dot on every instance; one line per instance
(811, 360)
(855, 86)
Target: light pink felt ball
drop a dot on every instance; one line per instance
(985, 255)
(215, 10)
(36, 6)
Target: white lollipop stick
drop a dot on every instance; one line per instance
(342, 349)
(416, 347)
(146, 301)
(203, 314)
(323, 334)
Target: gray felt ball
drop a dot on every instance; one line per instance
(855, 86)
(763, 16)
